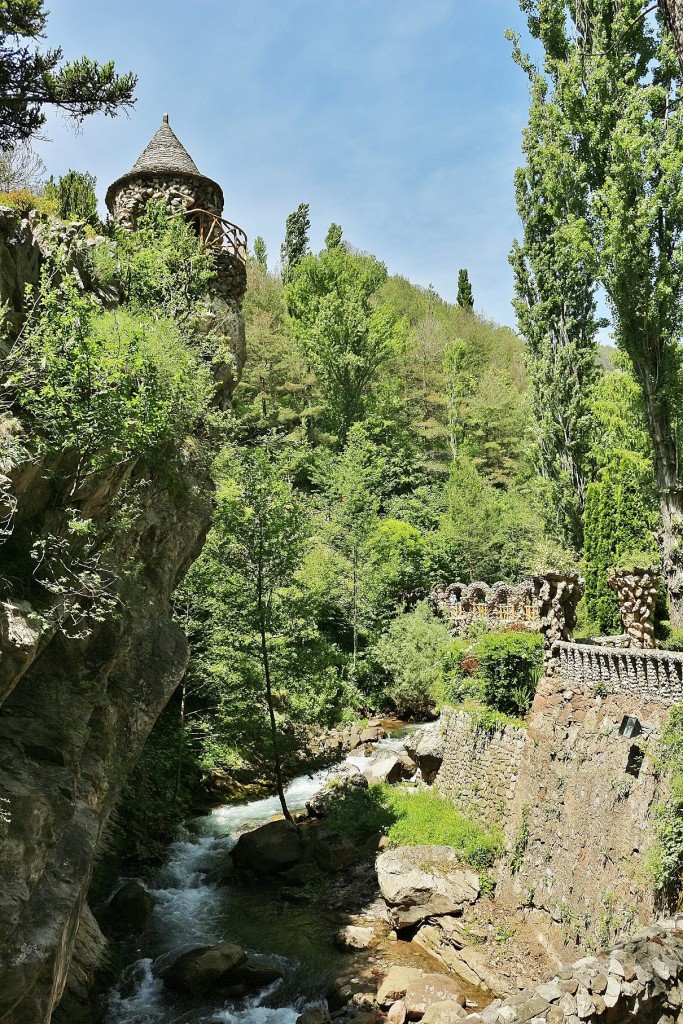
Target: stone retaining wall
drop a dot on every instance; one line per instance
(640, 979)
(479, 769)
(647, 674)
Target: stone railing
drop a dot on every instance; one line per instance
(640, 979)
(644, 673)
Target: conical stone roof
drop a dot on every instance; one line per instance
(164, 155)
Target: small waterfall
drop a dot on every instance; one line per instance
(198, 904)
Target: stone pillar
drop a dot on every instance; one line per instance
(557, 595)
(636, 591)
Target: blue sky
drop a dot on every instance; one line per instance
(399, 119)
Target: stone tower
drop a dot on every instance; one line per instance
(165, 170)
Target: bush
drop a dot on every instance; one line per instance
(413, 652)
(74, 196)
(23, 201)
(509, 667)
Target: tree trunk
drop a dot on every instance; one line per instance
(269, 698)
(672, 12)
(670, 493)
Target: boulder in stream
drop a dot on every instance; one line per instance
(343, 782)
(395, 984)
(313, 1015)
(333, 851)
(426, 747)
(268, 849)
(354, 936)
(205, 969)
(424, 881)
(129, 907)
(444, 1011)
(390, 766)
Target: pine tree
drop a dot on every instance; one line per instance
(295, 245)
(465, 295)
(31, 80)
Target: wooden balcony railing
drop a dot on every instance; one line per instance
(219, 234)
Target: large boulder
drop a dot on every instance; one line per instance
(445, 1011)
(269, 849)
(395, 984)
(431, 988)
(333, 851)
(354, 936)
(426, 747)
(424, 881)
(205, 969)
(343, 782)
(129, 907)
(390, 766)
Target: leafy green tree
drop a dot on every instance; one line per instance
(465, 296)
(614, 82)
(31, 79)
(263, 526)
(413, 652)
(344, 334)
(74, 194)
(261, 253)
(555, 273)
(295, 245)
(333, 238)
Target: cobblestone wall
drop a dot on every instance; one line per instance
(479, 770)
(181, 192)
(647, 674)
(641, 979)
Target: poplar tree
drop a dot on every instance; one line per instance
(295, 245)
(613, 79)
(260, 252)
(465, 297)
(555, 271)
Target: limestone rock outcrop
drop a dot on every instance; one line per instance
(424, 881)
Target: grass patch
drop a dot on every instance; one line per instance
(413, 818)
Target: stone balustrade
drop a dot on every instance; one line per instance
(644, 673)
(640, 979)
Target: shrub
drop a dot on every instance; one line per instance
(74, 196)
(23, 201)
(413, 652)
(666, 859)
(509, 667)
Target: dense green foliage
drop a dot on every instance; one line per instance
(605, 141)
(420, 818)
(74, 196)
(509, 666)
(295, 245)
(31, 78)
(667, 856)
(465, 296)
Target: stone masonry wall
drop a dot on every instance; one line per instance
(640, 979)
(644, 674)
(180, 192)
(479, 770)
(581, 821)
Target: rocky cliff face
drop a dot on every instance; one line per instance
(75, 713)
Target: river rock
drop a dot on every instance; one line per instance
(395, 984)
(424, 881)
(204, 969)
(444, 1011)
(252, 976)
(396, 1013)
(431, 988)
(130, 906)
(269, 849)
(390, 766)
(426, 747)
(333, 851)
(345, 781)
(372, 734)
(354, 937)
(313, 1015)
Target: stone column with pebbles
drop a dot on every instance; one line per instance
(557, 595)
(636, 591)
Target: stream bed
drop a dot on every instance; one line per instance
(199, 902)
